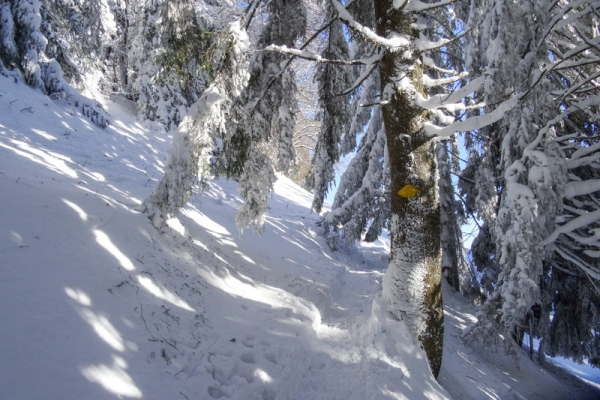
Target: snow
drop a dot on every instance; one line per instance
(97, 304)
(394, 42)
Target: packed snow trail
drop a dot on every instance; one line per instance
(96, 304)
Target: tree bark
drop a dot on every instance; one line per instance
(412, 283)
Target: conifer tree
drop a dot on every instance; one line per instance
(189, 158)
(537, 174)
(22, 48)
(266, 107)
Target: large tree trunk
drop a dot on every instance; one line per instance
(412, 283)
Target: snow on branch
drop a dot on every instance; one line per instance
(473, 123)
(394, 42)
(591, 274)
(577, 223)
(580, 188)
(560, 21)
(428, 62)
(444, 99)
(309, 55)
(419, 6)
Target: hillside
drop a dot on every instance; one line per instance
(96, 304)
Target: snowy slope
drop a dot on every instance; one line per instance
(96, 304)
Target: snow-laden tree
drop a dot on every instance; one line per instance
(234, 130)
(531, 165)
(8, 46)
(30, 42)
(264, 109)
(189, 158)
(360, 210)
(573, 37)
(456, 269)
(532, 177)
(333, 80)
(412, 288)
(574, 282)
(361, 203)
(77, 31)
(22, 48)
(157, 89)
(306, 126)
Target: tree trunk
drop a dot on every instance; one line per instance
(412, 283)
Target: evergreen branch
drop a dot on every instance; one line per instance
(425, 46)
(471, 214)
(574, 137)
(560, 18)
(572, 225)
(587, 40)
(359, 81)
(566, 271)
(309, 55)
(443, 81)
(288, 62)
(567, 56)
(462, 178)
(588, 272)
(250, 12)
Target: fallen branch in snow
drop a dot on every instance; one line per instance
(144, 319)
(404, 372)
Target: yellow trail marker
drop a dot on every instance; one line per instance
(408, 191)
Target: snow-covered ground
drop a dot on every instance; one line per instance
(96, 304)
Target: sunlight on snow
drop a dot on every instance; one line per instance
(18, 239)
(79, 296)
(104, 329)
(128, 127)
(262, 375)
(104, 241)
(245, 257)
(200, 244)
(206, 223)
(272, 296)
(44, 134)
(95, 176)
(164, 294)
(82, 214)
(53, 161)
(176, 225)
(113, 378)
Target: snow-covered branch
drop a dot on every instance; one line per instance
(577, 223)
(580, 188)
(309, 55)
(428, 82)
(419, 6)
(473, 123)
(394, 42)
